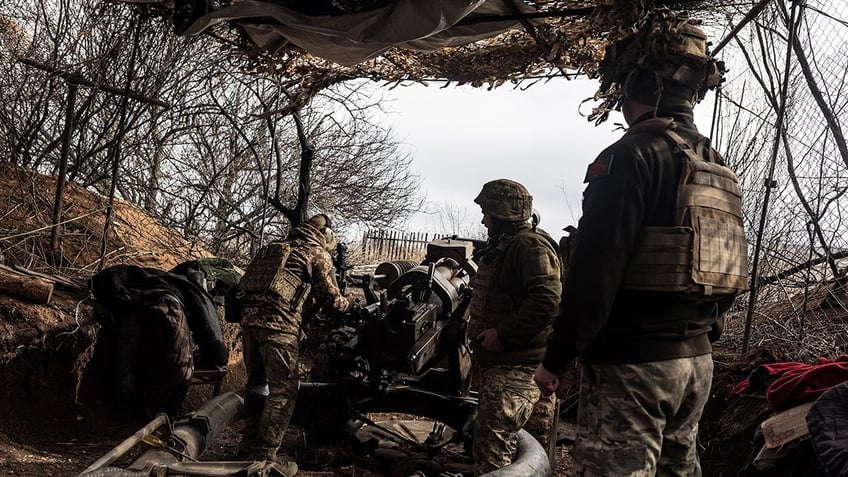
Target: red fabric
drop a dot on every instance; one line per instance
(799, 383)
(795, 383)
(738, 390)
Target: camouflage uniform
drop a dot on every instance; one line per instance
(646, 364)
(271, 333)
(642, 419)
(516, 291)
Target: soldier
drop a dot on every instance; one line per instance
(660, 255)
(516, 292)
(276, 285)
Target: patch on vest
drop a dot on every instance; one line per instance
(599, 169)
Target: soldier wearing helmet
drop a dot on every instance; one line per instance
(275, 287)
(659, 258)
(516, 292)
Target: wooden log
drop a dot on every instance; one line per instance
(56, 279)
(33, 288)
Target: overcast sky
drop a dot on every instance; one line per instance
(463, 137)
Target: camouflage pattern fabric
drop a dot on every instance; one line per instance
(542, 420)
(506, 398)
(271, 328)
(311, 262)
(506, 200)
(641, 419)
(271, 356)
(155, 354)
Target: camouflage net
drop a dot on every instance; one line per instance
(564, 37)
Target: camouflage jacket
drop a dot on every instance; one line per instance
(311, 262)
(517, 290)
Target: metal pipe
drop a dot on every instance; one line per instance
(188, 439)
(127, 444)
(191, 435)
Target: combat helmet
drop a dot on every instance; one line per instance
(324, 225)
(664, 51)
(505, 200)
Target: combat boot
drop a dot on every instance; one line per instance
(284, 463)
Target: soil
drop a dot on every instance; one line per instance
(57, 415)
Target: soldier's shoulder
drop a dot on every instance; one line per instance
(534, 240)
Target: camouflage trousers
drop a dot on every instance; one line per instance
(271, 356)
(641, 419)
(505, 402)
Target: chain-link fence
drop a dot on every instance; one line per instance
(781, 124)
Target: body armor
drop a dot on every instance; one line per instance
(489, 304)
(704, 254)
(267, 272)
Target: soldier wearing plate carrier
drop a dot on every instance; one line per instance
(516, 292)
(660, 255)
(275, 288)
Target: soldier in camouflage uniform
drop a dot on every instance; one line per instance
(636, 308)
(516, 292)
(276, 286)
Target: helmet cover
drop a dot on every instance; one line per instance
(667, 46)
(506, 200)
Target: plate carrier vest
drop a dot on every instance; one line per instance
(267, 273)
(704, 256)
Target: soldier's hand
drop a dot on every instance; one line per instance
(565, 388)
(490, 341)
(351, 298)
(547, 381)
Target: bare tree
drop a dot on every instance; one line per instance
(222, 155)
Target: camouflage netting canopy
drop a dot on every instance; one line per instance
(547, 38)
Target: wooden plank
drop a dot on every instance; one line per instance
(786, 426)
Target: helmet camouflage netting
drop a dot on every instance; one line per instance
(667, 46)
(506, 200)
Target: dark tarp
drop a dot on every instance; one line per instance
(348, 39)
(827, 421)
(119, 289)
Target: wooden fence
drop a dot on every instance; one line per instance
(386, 245)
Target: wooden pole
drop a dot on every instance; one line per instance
(63, 170)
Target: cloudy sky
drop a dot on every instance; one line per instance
(463, 137)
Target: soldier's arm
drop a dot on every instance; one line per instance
(612, 215)
(324, 287)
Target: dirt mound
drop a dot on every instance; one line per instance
(46, 350)
(27, 202)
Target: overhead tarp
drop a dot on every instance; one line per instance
(421, 25)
